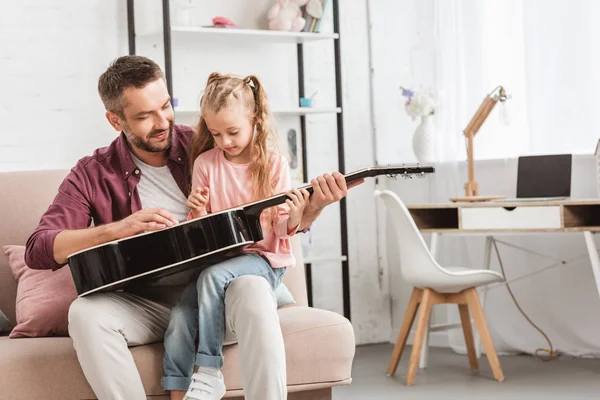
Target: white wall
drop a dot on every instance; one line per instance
(403, 55)
(51, 56)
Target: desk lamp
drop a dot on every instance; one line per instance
(471, 187)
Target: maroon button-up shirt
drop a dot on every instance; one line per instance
(101, 188)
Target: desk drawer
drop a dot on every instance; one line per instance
(512, 218)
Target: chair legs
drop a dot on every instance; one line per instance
(475, 307)
(425, 299)
(413, 363)
(407, 322)
(465, 320)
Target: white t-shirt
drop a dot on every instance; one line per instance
(158, 189)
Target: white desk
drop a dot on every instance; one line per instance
(509, 217)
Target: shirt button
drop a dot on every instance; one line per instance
(129, 194)
(137, 171)
(179, 159)
(126, 172)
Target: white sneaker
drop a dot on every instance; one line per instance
(206, 387)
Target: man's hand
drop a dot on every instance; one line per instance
(148, 219)
(71, 241)
(327, 189)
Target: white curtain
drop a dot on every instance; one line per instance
(545, 53)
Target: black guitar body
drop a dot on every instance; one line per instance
(196, 243)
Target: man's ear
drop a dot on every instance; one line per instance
(114, 120)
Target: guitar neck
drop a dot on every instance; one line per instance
(257, 207)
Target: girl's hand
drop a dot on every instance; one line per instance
(299, 200)
(197, 201)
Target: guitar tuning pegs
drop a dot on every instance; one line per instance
(392, 176)
(421, 175)
(406, 175)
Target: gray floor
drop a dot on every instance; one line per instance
(448, 376)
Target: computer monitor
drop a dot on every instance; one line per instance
(545, 176)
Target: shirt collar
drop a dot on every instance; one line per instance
(176, 153)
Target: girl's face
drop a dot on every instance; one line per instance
(232, 130)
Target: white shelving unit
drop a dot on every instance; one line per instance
(308, 111)
(255, 35)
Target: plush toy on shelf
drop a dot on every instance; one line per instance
(222, 22)
(286, 15)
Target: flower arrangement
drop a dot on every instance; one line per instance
(418, 104)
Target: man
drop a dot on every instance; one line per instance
(139, 183)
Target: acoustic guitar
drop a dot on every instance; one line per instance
(196, 243)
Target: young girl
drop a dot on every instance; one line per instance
(236, 161)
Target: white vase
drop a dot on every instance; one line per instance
(424, 140)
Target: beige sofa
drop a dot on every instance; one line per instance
(319, 344)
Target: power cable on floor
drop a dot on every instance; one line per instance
(550, 352)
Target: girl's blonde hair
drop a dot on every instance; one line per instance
(224, 90)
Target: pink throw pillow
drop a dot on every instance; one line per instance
(43, 297)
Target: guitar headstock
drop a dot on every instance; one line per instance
(393, 171)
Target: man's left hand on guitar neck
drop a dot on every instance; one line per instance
(327, 189)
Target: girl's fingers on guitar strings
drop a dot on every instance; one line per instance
(290, 204)
(305, 194)
(299, 195)
(294, 195)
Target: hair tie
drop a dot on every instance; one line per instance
(249, 82)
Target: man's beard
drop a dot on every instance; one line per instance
(144, 144)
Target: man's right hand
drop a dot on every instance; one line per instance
(148, 219)
(68, 242)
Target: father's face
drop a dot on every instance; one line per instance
(149, 117)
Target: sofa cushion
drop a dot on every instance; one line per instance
(47, 368)
(43, 297)
(319, 349)
(283, 296)
(5, 325)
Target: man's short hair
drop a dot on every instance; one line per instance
(123, 73)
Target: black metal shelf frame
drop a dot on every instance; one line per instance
(340, 125)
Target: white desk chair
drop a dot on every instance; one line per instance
(434, 284)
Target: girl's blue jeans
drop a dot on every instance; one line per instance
(201, 309)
